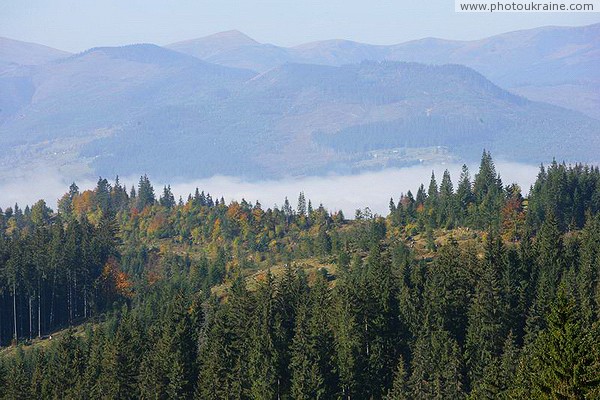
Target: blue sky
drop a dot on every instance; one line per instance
(76, 25)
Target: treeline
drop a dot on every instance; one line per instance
(193, 311)
(52, 272)
(248, 233)
(569, 193)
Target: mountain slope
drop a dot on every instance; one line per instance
(23, 53)
(105, 86)
(235, 49)
(541, 56)
(539, 63)
(143, 108)
(100, 92)
(306, 119)
(208, 46)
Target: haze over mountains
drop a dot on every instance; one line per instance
(226, 104)
(14, 53)
(538, 62)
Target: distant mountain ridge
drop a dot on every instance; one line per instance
(145, 108)
(538, 63)
(16, 52)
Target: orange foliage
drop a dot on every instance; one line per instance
(84, 203)
(513, 218)
(157, 223)
(119, 280)
(234, 210)
(123, 284)
(216, 232)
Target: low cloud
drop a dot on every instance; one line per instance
(347, 192)
(335, 192)
(26, 187)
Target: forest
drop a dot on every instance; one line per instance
(468, 290)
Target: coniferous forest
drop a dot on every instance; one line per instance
(466, 289)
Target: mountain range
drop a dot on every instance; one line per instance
(226, 104)
(538, 63)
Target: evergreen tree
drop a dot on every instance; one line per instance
(263, 357)
(464, 195)
(549, 263)
(301, 204)
(400, 390)
(488, 194)
(307, 381)
(447, 209)
(566, 356)
(436, 367)
(17, 380)
(167, 199)
(145, 194)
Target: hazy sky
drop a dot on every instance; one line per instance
(76, 25)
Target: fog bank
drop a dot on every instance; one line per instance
(347, 192)
(335, 192)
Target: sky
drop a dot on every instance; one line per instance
(76, 25)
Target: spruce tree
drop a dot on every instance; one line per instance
(400, 390)
(263, 357)
(436, 367)
(17, 381)
(566, 355)
(486, 325)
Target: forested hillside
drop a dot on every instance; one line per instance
(466, 289)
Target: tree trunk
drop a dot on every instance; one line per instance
(70, 301)
(15, 337)
(30, 320)
(1, 298)
(52, 299)
(75, 304)
(39, 304)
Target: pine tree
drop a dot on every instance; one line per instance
(464, 195)
(120, 363)
(566, 356)
(448, 291)
(39, 388)
(549, 265)
(145, 195)
(263, 357)
(3, 378)
(400, 390)
(307, 380)
(488, 194)
(446, 214)
(432, 202)
(17, 380)
(167, 199)
(498, 375)
(312, 346)
(93, 369)
(486, 326)
(588, 277)
(348, 360)
(301, 205)
(436, 367)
